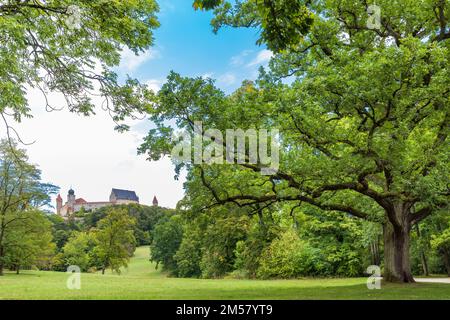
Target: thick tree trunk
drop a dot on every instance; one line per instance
(397, 266)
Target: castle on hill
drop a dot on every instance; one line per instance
(117, 196)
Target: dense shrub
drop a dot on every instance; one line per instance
(167, 237)
(188, 257)
(77, 251)
(290, 257)
(219, 244)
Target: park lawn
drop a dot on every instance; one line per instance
(142, 281)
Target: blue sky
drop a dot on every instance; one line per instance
(87, 154)
(186, 44)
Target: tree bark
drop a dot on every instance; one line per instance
(396, 232)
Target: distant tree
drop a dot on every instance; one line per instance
(167, 237)
(69, 47)
(146, 219)
(62, 229)
(21, 193)
(77, 251)
(440, 238)
(114, 240)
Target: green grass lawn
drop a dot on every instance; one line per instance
(142, 281)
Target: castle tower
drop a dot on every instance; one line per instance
(70, 200)
(58, 204)
(155, 201)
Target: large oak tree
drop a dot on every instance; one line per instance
(363, 120)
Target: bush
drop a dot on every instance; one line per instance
(77, 251)
(219, 244)
(289, 257)
(248, 251)
(188, 257)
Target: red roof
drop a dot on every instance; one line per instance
(58, 197)
(80, 201)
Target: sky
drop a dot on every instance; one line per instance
(85, 153)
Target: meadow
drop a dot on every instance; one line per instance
(142, 281)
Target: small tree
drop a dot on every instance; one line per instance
(115, 241)
(76, 250)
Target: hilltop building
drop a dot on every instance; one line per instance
(74, 204)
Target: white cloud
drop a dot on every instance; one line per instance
(208, 75)
(262, 57)
(130, 61)
(239, 60)
(155, 84)
(227, 79)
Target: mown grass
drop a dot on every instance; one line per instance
(142, 281)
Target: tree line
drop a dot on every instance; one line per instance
(273, 244)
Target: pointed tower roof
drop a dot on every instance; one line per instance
(155, 201)
(58, 198)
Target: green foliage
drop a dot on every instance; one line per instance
(290, 257)
(146, 219)
(65, 42)
(29, 242)
(249, 251)
(114, 240)
(430, 245)
(77, 251)
(441, 238)
(283, 23)
(342, 240)
(23, 228)
(189, 254)
(219, 243)
(167, 237)
(362, 122)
